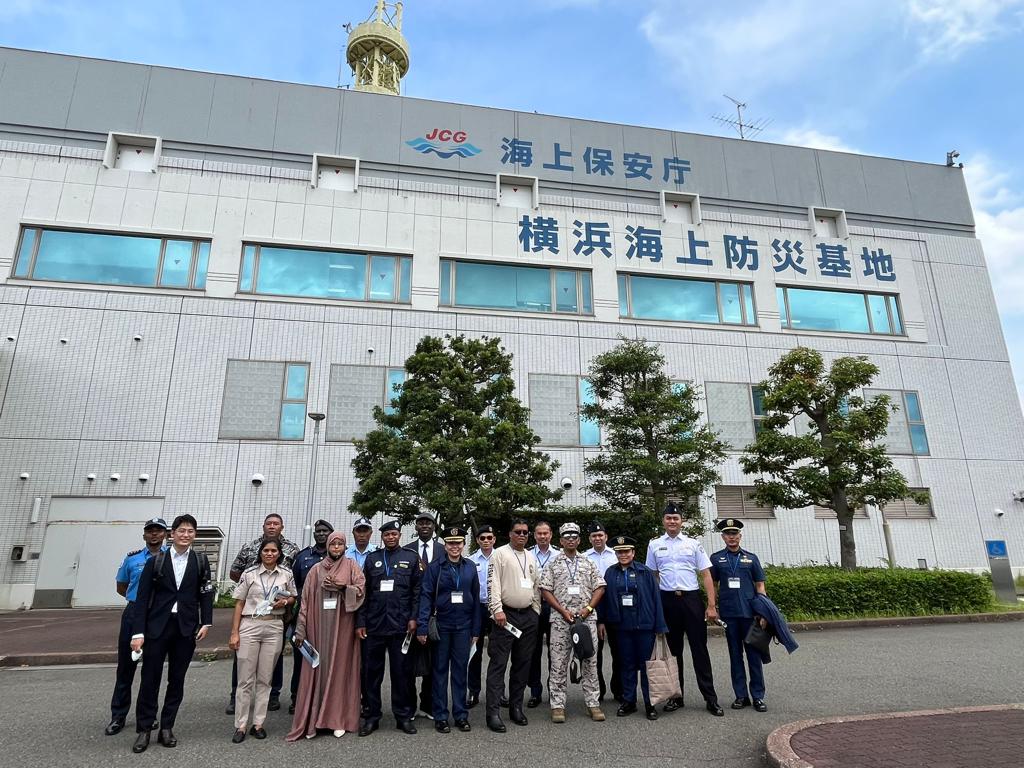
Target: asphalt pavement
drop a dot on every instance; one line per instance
(55, 715)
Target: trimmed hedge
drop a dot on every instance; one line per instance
(829, 592)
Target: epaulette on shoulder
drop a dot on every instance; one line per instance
(251, 568)
(133, 553)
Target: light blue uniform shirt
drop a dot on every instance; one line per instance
(359, 557)
(131, 570)
(482, 564)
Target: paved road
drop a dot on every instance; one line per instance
(55, 716)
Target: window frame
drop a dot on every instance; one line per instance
(581, 275)
(285, 400)
(887, 515)
(196, 282)
(892, 300)
(905, 409)
(749, 509)
(400, 292)
(745, 290)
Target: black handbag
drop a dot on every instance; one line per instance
(433, 633)
(759, 638)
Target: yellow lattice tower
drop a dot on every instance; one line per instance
(377, 51)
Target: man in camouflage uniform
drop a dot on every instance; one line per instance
(572, 587)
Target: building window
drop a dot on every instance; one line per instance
(811, 309)
(735, 501)
(908, 509)
(264, 400)
(684, 300)
(906, 434)
(555, 410)
(322, 274)
(516, 289)
(824, 513)
(94, 257)
(735, 412)
(355, 390)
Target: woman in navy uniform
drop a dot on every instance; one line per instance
(631, 608)
(451, 590)
(739, 576)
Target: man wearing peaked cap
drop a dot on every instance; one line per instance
(428, 548)
(739, 576)
(485, 539)
(362, 530)
(603, 557)
(154, 534)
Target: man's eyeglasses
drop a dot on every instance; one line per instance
(523, 532)
(486, 537)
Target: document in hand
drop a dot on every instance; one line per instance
(310, 653)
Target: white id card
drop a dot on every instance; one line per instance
(573, 589)
(734, 583)
(627, 601)
(456, 598)
(514, 630)
(330, 603)
(526, 583)
(387, 585)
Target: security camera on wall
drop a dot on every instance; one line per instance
(566, 483)
(258, 479)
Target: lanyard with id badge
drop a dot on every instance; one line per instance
(734, 581)
(456, 593)
(627, 596)
(572, 589)
(387, 584)
(526, 582)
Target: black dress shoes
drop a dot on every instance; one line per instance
(239, 736)
(626, 708)
(258, 732)
(441, 726)
(141, 742)
(463, 725)
(760, 706)
(515, 714)
(367, 727)
(166, 737)
(652, 712)
(274, 704)
(473, 700)
(495, 723)
(230, 708)
(673, 704)
(533, 703)
(714, 709)
(291, 708)
(740, 703)
(406, 726)
(116, 726)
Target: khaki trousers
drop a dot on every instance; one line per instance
(260, 643)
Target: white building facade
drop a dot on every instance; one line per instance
(191, 263)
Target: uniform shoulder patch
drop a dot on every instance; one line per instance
(133, 553)
(250, 568)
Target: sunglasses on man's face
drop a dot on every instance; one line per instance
(485, 537)
(524, 532)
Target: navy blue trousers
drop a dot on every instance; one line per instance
(121, 701)
(736, 629)
(634, 648)
(377, 647)
(451, 658)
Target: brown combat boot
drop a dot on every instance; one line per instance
(558, 715)
(595, 714)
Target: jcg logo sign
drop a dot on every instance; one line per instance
(444, 142)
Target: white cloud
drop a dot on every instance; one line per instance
(815, 139)
(999, 222)
(946, 28)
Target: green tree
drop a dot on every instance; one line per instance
(455, 442)
(835, 457)
(655, 448)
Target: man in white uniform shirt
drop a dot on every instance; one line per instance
(678, 561)
(482, 560)
(543, 551)
(603, 558)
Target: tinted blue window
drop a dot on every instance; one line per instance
(565, 291)
(913, 406)
(295, 382)
(919, 439)
(86, 257)
(732, 307)
(657, 298)
(748, 304)
(405, 279)
(624, 295)
(780, 296)
(827, 311)
(496, 286)
(897, 323)
(202, 264)
(445, 298)
(28, 241)
(177, 264)
(395, 380)
(587, 289)
(382, 278)
(320, 274)
(293, 421)
(248, 267)
(590, 430)
(879, 314)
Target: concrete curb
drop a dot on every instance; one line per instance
(781, 754)
(223, 652)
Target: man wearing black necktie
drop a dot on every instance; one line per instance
(427, 549)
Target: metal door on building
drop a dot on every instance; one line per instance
(86, 540)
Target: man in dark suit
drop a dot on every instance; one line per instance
(174, 610)
(427, 549)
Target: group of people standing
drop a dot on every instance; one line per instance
(427, 611)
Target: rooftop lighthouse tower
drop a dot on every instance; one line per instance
(377, 51)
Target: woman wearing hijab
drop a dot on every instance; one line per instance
(256, 636)
(329, 695)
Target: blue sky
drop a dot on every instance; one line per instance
(899, 78)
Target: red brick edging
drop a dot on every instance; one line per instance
(782, 755)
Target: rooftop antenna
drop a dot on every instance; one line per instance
(746, 130)
(377, 51)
